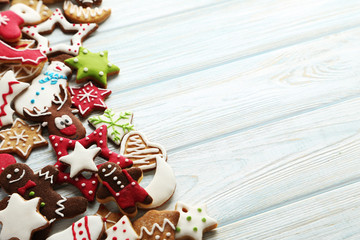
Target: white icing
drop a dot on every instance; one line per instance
(60, 206)
(19, 137)
(94, 224)
(163, 185)
(187, 227)
(47, 176)
(20, 218)
(109, 173)
(117, 231)
(83, 12)
(27, 13)
(43, 43)
(46, 90)
(18, 179)
(4, 19)
(81, 159)
(8, 77)
(156, 226)
(141, 152)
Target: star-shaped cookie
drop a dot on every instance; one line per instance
(109, 218)
(21, 218)
(92, 66)
(81, 32)
(21, 138)
(81, 159)
(63, 146)
(88, 98)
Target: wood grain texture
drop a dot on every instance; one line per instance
(258, 105)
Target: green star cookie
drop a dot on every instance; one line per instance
(92, 66)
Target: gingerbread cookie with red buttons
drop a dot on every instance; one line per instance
(122, 186)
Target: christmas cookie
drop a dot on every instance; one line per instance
(92, 66)
(143, 153)
(109, 218)
(193, 222)
(89, 3)
(79, 14)
(41, 92)
(21, 218)
(9, 89)
(118, 124)
(122, 186)
(155, 225)
(123, 229)
(81, 32)
(24, 62)
(59, 117)
(163, 185)
(62, 147)
(32, 11)
(10, 26)
(87, 228)
(6, 160)
(88, 98)
(19, 178)
(21, 138)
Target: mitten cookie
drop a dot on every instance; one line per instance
(193, 222)
(156, 225)
(21, 218)
(19, 178)
(122, 186)
(87, 228)
(10, 26)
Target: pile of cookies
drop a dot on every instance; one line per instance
(34, 94)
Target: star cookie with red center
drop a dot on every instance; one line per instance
(62, 146)
(21, 138)
(88, 98)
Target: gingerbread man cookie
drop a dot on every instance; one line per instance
(122, 186)
(20, 178)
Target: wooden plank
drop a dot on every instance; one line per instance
(177, 45)
(330, 215)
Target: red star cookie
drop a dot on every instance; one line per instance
(88, 98)
(87, 186)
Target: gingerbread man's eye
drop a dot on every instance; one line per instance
(16, 170)
(8, 176)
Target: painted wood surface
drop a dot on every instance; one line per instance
(257, 103)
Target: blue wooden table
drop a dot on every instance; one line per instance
(257, 103)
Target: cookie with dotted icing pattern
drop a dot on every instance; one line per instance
(62, 146)
(21, 138)
(123, 229)
(87, 228)
(32, 11)
(21, 218)
(155, 225)
(122, 186)
(92, 66)
(20, 178)
(81, 31)
(89, 98)
(193, 222)
(79, 14)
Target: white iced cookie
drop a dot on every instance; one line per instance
(123, 229)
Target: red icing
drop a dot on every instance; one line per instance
(115, 228)
(6, 160)
(129, 195)
(28, 185)
(26, 56)
(69, 131)
(87, 227)
(73, 231)
(96, 101)
(2, 107)
(10, 31)
(98, 138)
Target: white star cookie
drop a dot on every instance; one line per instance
(21, 218)
(9, 89)
(193, 221)
(123, 229)
(81, 159)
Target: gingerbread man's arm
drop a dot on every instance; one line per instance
(135, 173)
(4, 203)
(74, 206)
(49, 174)
(103, 192)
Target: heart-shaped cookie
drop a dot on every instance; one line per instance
(143, 153)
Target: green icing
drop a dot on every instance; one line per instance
(203, 219)
(31, 194)
(195, 229)
(114, 123)
(188, 218)
(199, 209)
(95, 66)
(42, 204)
(178, 229)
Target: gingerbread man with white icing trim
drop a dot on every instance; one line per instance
(19, 178)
